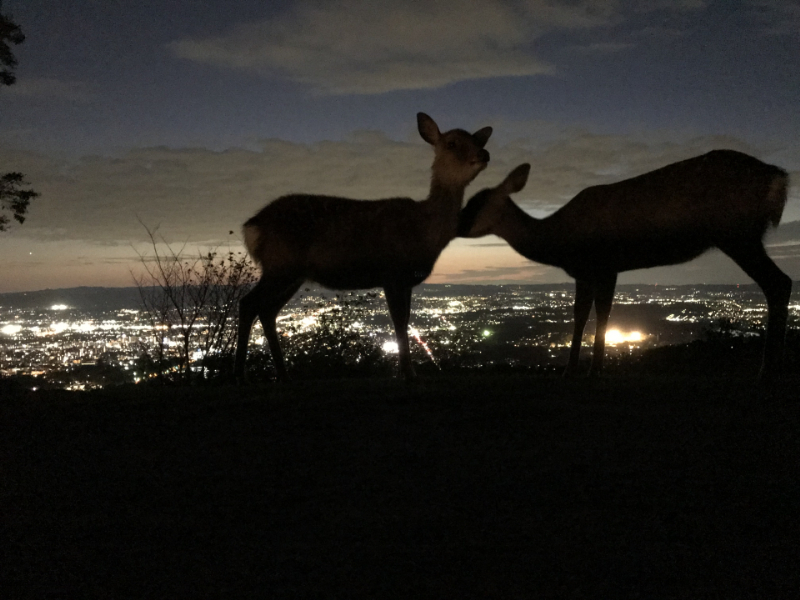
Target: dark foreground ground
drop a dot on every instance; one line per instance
(485, 486)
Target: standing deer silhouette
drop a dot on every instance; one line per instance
(347, 244)
(723, 199)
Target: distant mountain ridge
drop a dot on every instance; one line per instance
(110, 298)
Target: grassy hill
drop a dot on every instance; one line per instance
(460, 486)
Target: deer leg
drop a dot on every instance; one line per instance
(398, 298)
(270, 306)
(777, 287)
(584, 297)
(248, 311)
(603, 299)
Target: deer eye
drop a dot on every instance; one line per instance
(451, 145)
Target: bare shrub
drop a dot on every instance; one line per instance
(192, 304)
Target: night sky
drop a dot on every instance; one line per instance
(188, 116)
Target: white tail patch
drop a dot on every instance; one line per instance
(251, 237)
(776, 198)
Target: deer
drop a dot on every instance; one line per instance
(723, 199)
(348, 244)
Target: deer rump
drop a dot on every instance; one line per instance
(673, 214)
(343, 243)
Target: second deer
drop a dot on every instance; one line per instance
(723, 199)
(347, 244)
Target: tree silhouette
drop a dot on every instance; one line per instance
(13, 197)
(190, 301)
(10, 33)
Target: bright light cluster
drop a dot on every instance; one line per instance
(615, 336)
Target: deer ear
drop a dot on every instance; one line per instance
(428, 129)
(517, 179)
(482, 136)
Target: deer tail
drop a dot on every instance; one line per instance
(776, 197)
(252, 235)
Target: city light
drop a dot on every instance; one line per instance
(59, 327)
(615, 336)
(508, 325)
(416, 335)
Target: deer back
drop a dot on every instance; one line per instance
(714, 197)
(326, 238)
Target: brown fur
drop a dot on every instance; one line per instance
(723, 199)
(355, 244)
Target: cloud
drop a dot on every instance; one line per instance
(783, 243)
(92, 207)
(377, 46)
(562, 165)
(774, 17)
(501, 274)
(50, 88)
(602, 48)
(785, 252)
(644, 6)
(199, 195)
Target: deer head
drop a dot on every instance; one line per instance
(459, 155)
(485, 209)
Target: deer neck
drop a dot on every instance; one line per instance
(445, 196)
(442, 207)
(535, 239)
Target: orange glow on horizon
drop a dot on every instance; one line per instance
(615, 337)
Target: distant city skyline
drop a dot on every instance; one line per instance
(81, 338)
(188, 117)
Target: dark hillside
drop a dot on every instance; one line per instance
(457, 487)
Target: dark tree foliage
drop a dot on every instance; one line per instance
(14, 198)
(10, 33)
(335, 345)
